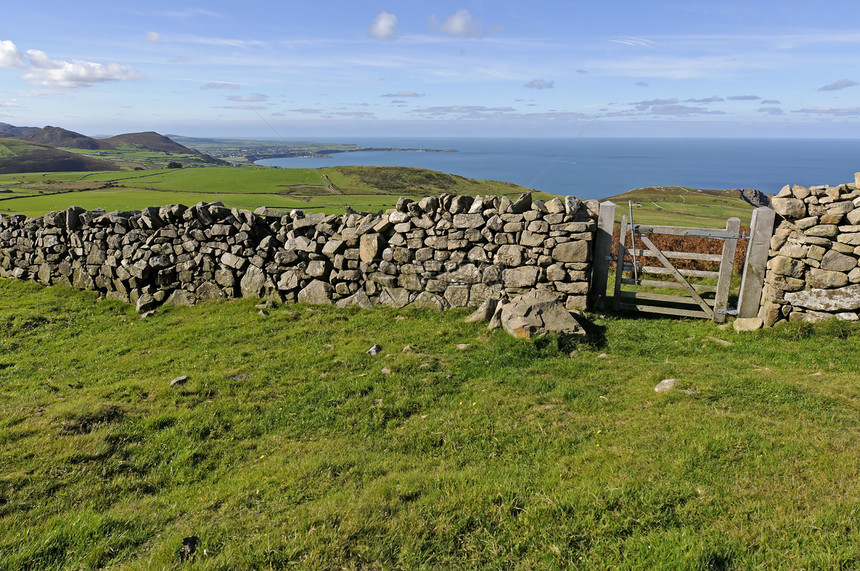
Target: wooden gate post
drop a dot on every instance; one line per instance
(755, 262)
(602, 254)
(724, 282)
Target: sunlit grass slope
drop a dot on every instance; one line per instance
(290, 446)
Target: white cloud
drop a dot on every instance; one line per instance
(383, 27)
(834, 111)
(712, 99)
(194, 13)
(153, 37)
(216, 85)
(52, 73)
(836, 85)
(643, 105)
(681, 110)
(10, 57)
(357, 114)
(743, 98)
(540, 84)
(404, 94)
(636, 43)
(255, 98)
(461, 25)
(244, 107)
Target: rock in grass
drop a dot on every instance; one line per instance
(665, 385)
(375, 350)
(536, 313)
(146, 303)
(742, 324)
(179, 380)
(484, 313)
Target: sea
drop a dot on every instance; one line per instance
(600, 168)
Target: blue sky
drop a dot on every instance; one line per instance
(658, 68)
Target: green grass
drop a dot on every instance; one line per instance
(332, 190)
(290, 446)
(679, 206)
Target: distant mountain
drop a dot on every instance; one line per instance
(13, 132)
(59, 137)
(150, 140)
(23, 156)
(120, 151)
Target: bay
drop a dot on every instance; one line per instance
(598, 168)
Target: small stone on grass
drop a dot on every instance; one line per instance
(181, 380)
(665, 385)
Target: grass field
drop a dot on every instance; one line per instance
(679, 206)
(290, 446)
(332, 189)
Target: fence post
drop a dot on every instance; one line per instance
(602, 252)
(755, 262)
(724, 282)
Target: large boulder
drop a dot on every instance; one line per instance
(537, 313)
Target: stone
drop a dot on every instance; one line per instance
(833, 300)
(837, 262)
(484, 313)
(743, 324)
(146, 303)
(375, 350)
(665, 385)
(316, 292)
(181, 380)
(208, 291)
(789, 207)
(252, 282)
(785, 266)
(468, 220)
(826, 279)
(181, 297)
(523, 203)
(509, 255)
(525, 276)
(537, 313)
(370, 246)
(427, 300)
(394, 297)
(569, 252)
(822, 231)
(358, 299)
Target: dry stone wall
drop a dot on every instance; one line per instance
(439, 252)
(813, 270)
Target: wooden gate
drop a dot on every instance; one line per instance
(643, 268)
(644, 272)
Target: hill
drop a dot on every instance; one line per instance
(17, 156)
(58, 137)
(677, 205)
(13, 132)
(149, 140)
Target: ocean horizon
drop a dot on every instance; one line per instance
(603, 167)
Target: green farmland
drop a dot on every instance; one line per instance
(333, 189)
